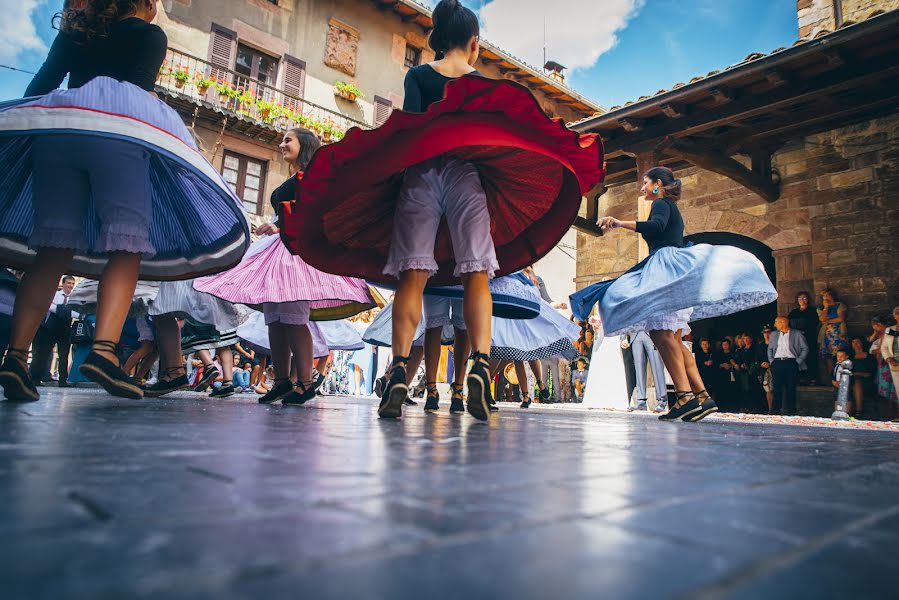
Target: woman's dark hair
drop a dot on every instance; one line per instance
(88, 19)
(670, 185)
(804, 293)
(308, 145)
(454, 25)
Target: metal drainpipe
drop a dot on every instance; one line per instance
(837, 13)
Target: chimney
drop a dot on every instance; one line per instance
(554, 70)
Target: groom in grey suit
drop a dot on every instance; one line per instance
(787, 351)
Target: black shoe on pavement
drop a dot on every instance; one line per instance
(410, 402)
(278, 391)
(690, 407)
(317, 380)
(526, 403)
(209, 375)
(432, 403)
(707, 407)
(225, 391)
(544, 393)
(479, 396)
(457, 405)
(109, 375)
(298, 398)
(15, 379)
(396, 391)
(166, 386)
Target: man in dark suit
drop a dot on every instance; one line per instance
(787, 351)
(55, 330)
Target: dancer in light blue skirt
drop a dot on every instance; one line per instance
(676, 284)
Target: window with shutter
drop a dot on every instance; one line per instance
(246, 176)
(383, 108)
(222, 50)
(294, 82)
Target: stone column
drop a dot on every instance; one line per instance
(646, 160)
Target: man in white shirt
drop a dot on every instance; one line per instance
(787, 351)
(55, 330)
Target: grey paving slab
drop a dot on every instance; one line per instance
(185, 497)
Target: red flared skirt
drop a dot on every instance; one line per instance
(533, 169)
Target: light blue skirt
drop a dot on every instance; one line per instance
(197, 225)
(675, 286)
(380, 331)
(326, 336)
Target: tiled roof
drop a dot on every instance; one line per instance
(750, 58)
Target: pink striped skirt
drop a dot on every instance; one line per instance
(270, 273)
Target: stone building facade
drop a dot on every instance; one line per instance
(836, 223)
(828, 15)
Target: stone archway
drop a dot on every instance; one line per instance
(747, 321)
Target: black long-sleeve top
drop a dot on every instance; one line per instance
(665, 226)
(284, 193)
(423, 87)
(133, 51)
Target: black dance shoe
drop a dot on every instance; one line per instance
(109, 375)
(690, 407)
(298, 398)
(707, 407)
(14, 377)
(226, 390)
(526, 403)
(396, 392)
(278, 391)
(479, 396)
(209, 375)
(163, 386)
(457, 405)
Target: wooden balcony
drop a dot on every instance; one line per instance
(224, 99)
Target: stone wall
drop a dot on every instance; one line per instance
(836, 223)
(816, 15)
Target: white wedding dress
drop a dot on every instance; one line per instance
(606, 381)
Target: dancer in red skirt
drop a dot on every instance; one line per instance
(470, 180)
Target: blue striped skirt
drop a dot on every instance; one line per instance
(197, 224)
(676, 285)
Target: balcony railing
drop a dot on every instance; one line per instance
(202, 81)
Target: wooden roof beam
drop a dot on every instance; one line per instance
(759, 179)
(722, 95)
(673, 112)
(631, 125)
(749, 107)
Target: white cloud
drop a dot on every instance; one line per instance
(18, 33)
(577, 31)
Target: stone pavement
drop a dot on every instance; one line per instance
(187, 497)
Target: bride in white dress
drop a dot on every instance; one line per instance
(606, 382)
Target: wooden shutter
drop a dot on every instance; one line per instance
(222, 53)
(294, 81)
(383, 108)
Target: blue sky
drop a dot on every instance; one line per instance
(619, 49)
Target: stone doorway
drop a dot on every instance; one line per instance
(748, 321)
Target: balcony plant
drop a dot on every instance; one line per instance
(328, 131)
(181, 77)
(203, 83)
(246, 99)
(268, 111)
(348, 91)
